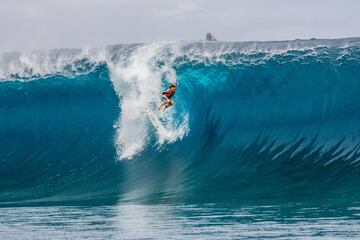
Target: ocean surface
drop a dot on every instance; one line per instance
(263, 141)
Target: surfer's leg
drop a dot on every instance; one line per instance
(161, 105)
(164, 102)
(170, 103)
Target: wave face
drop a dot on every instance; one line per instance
(255, 120)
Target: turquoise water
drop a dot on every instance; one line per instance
(263, 141)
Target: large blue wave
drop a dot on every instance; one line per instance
(259, 120)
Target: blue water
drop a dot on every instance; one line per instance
(263, 141)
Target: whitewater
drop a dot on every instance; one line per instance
(261, 132)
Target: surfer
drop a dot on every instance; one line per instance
(166, 97)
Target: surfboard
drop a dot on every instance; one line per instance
(155, 121)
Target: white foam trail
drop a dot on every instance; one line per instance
(138, 83)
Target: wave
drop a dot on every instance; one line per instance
(255, 120)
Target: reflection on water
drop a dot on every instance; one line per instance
(209, 221)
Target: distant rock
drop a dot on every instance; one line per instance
(210, 37)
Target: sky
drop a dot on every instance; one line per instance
(46, 24)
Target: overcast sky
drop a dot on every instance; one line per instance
(43, 24)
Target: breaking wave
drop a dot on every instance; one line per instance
(250, 120)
